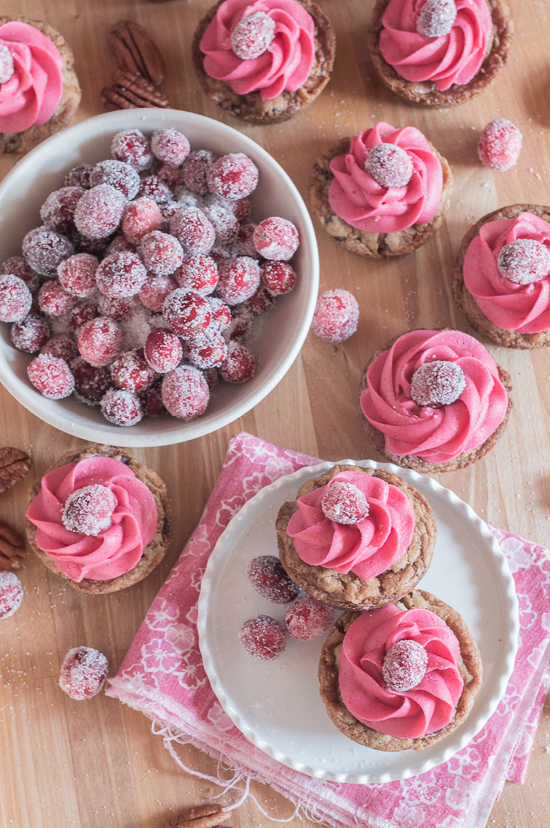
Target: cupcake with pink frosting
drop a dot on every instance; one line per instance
(435, 401)
(39, 90)
(100, 519)
(356, 538)
(501, 277)
(381, 193)
(264, 60)
(439, 52)
(400, 677)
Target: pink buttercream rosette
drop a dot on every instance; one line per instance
(359, 200)
(511, 306)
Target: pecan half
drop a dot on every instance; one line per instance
(12, 547)
(135, 52)
(14, 465)
(201, 816)
(132, 92)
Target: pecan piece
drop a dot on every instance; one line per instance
(135, 52)
(12, 547)
(201, 816)
(14, 465)
(132, 92)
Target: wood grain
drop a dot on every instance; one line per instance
(97, 764)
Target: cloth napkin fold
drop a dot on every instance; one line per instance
(162, 675)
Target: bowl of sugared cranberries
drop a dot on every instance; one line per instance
(158, 277)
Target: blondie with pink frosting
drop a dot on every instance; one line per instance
(439, 52)
(356, 538)
(264, 60)
(39, 90)
(501, 277)
(383, 192)
(100, 519)
(401, 677)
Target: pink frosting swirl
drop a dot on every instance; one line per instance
(359, 200)
(511, 306)
(434, 434)
(32, 93)
(453, 58)
(113, 551)
(366, 548)
(286, 64)
(406, 714)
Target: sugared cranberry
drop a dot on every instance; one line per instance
(79, 176)
(241, 209)
(278, 277)
(154, 292)
(389, 165)
(168, 211)
(153, 187)
(169, 174)
(187, 312)
(263, 637)
(276, 239)
(233, 176)
(252, 35)
(185, 393)
(83, 673)
(82, 314)
(44, 250)
(95, 247)
(436, 18)
(170, 145)
(195, 170)
(163, 350)
(57, 212)
(7, 66)
(221, 314)
(141, 217)
(404, 665)
(344, 502)
(208, 350)
(54, 300)
(194, 231)
(120, 275)
(198, 273)
(223, 221)
(90, 382)
(211, 376)
(130, 371)
(260, 302)
(11, 594)
(243, 245)
(131, 146)
(152, 400)
(62, 346)
(500, 145)
(161, 253)
(437, 383)
(269, 579)
(336, 316)
(183, 197)
(118, 309)
(307, 618)
(77, 274)
(122, 408)
(117, 174)
(89, 510)
(120, 244)
(239, 280)
(239, 364)
(99, 341)
(524, 261)
(242, 321)
(15, 299)
(99, 211)
(31, 334)
(51, 376)
(17, 266)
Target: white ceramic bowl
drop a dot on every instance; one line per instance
(283, 329)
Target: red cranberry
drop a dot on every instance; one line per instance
(79, 176)
(122, 408)
(116, 308)
(233, 176)
(261, 301)
(187, 312)
(54, 300)
(195, 170)
(307, 618)
(154, 292)
(404, 665)
(278, 277)
(153, 187)
(161, 253)
(152, 400)
(131, 146)
(344, 502)
(437, 383)
(185, 392)
(51, 376)
(163, 350)
(89, 510)
(194, 231)
(57, 212)
(170, 145)
(30, 334)
(77, 274)
(44, 250)
(207, 350)
(221, 314)
(83, 673)
(15, 299)
(239, 280)
(500, 145)
(336, 316)
(252, 35)
(82, 314)
(269, 579)
(11, 594)
(90, 382)
(223, 221)
(117, 174)
(17, 266)
(239, 365)
(142, 216)
(99, 341)
(276, 239)
(169, 174)
(263, 637)
(120, 275)
(130, 371)
(99, 211)
(62, 346)
(389, 165)
(199, 273)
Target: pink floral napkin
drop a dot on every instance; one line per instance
(163, 676)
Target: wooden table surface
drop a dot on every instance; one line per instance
(97, 764)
